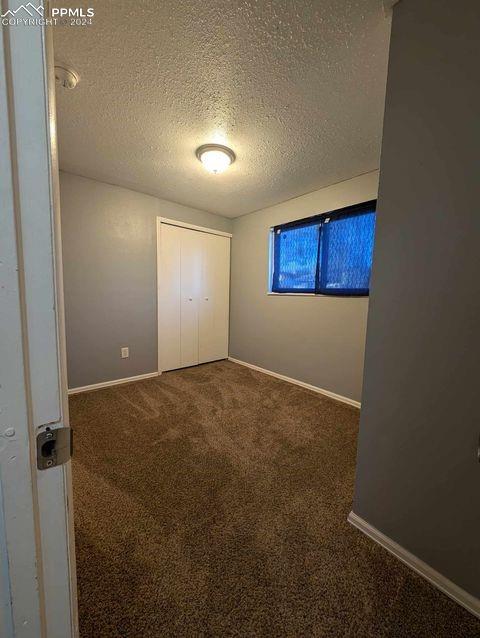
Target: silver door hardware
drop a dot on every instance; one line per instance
(54, 447)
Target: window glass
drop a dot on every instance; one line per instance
(296, 258)
(328, 254)
(346, 254)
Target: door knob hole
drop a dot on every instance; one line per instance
(48, 448)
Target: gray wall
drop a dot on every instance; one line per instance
(109, 247)
(318, 340)
(418, 478)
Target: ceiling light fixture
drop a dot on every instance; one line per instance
(65, 77)
(215, 157)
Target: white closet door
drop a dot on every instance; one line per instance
(191, 269)
(214, 300)
(193, 296)
(169, 298)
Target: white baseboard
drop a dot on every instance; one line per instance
(302, 384)
(107, 384)
(442, 583)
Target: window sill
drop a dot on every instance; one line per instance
(294, 294)
(311, 294)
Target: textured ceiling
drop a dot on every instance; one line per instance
(294, 87)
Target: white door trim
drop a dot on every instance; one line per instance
(202, 229)
(66, 469)
(442, 583)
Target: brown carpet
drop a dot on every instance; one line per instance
(212, 501)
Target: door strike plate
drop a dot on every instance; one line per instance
(54, 447)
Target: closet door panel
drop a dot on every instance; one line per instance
(169, 299)
(191, 268)
(214, 298)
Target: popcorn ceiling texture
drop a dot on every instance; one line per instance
(295, 88)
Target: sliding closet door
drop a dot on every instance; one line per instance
(214, 300)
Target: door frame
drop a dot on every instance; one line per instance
(38, 591)
(202, 229)
(173, 222)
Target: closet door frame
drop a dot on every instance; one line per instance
(161, 221)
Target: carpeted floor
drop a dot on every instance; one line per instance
(212, 501)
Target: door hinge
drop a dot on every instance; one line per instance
(54, 447)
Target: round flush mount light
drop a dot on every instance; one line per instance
(215, 157)
(65, 77)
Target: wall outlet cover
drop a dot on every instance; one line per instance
(125, 353)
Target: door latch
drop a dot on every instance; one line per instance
(54, 447)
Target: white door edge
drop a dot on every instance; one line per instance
(37, 579)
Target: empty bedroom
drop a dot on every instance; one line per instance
(243, 187)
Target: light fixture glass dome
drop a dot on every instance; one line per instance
(215, 157)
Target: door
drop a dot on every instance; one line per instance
(179, 281)
(193, 295)
(37, 574)
(169, 297)
(190, 286)
(214, 298)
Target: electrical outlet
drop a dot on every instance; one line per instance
(125, 353)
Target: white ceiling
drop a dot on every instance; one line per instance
(294, 87)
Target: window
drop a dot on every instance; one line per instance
(329, 254)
